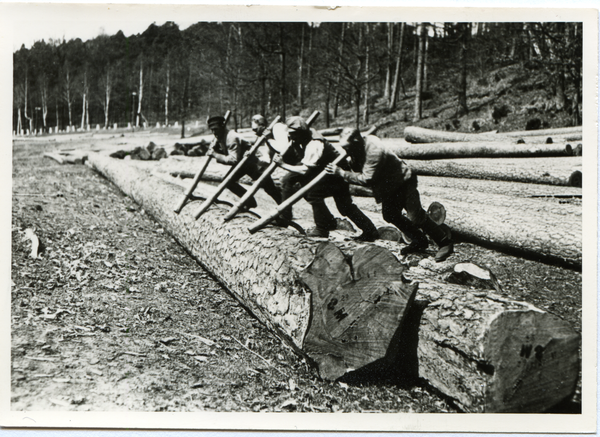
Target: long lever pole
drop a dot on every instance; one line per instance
(204, 207)
(268, 171)
(198, 176)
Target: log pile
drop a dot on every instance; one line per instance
(485, 352)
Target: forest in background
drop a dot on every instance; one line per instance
(167, 75)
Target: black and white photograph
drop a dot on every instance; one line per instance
(369, 216)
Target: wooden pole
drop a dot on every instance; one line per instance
(236, 170)
(254, 188)
(188, 194)
(293, 199)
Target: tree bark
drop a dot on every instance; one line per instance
(167, 87)
(300, 67)
(487, 353)
(414, 134)
(336, 101)
(565, 171)
(84, 100)
(472, 149)
(418, 106)
(398, 74)
(284, 279)
(388, 70)
(463, 108)
(141, 95)
(367, 90)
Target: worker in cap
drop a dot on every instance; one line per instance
(307, 155)
(259, 124)
(394, 185)
(229, 149)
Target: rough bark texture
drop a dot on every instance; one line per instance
(488, 353)
(529, 219)
(479, 149)
(540, 227)
(564, 171)
(263, 272)
(414, 134)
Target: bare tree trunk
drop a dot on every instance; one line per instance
(84, 97)
(397, 76)
(388, 71)
(425, 60)
(141, 94)
(68, 91)
(282, 55)
(419, 85)
(327, 98)
(366, 111)
(309, 54)
(339, 74)
(300, 66)
(56, 111)
(27, 117)
(107, 94)
(463, 108)
(44, 95)
(19, 124)
(167, 96)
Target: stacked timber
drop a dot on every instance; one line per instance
(346, 306)
(414, 134)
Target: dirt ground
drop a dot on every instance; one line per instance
(114, 314)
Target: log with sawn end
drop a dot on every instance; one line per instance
(263, 272)
(565, 171)
(472, 149)
(485, 352)
(414, 134)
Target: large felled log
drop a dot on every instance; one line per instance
(414, 134)
(517, 357)
(488, 353)
(538, 227)
(263, 272)
(483, 149)
(564, 171)
(523, 219)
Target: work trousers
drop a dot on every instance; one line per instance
(406, 198)
(253, 169)
(329, 186)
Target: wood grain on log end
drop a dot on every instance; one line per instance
(535, 360)
(356, 308)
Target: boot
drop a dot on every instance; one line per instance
(364, 223)
(418, 240)
(441, 238)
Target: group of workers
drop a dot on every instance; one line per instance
(304, 153)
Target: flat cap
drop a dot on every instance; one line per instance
(215, 120)
(296, 123)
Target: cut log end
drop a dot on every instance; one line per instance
(356, 309)
(576, 179)
(535, 360)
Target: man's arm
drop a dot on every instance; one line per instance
(365, 177)
(234, 149)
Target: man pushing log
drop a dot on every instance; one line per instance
(394, 185)
(229, 149)
(304, 154)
